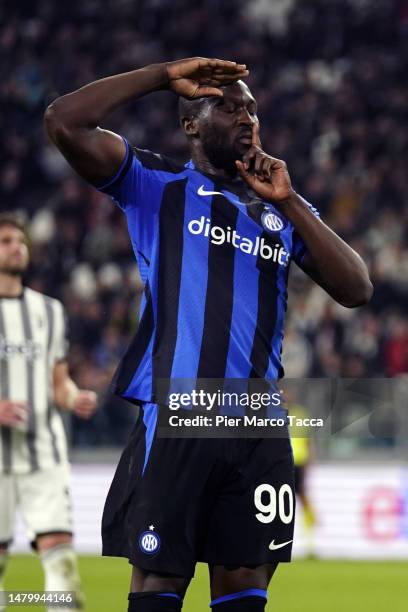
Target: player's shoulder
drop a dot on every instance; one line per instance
(156, 161)
(35, 297)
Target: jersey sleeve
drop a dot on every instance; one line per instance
(299, 249)
(140, 179)
(137, 188)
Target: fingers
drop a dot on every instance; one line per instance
(248, 178)
(85, 404)
(265, 172)
(260, 164)
(223, 78)
(198, 77)
(256, 141)
(255, 155)
(203, 92)
(13, 413)
(249, 158)
(84, 413)
(255, 160)
(202, 70)
(223, 70)
(211, 86)
(224, 65)
(268, 167)
(260, 161)
(274, 182)
(252, 177)
(21, 410)
(22, 406)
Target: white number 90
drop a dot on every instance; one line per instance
(275, 503)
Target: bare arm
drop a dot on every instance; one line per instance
(332, 263)
(67, 395)
(73, 120)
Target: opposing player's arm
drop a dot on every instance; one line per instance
(68, 396)
(329, 261)
(72, 121)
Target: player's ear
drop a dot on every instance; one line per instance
(190, 126)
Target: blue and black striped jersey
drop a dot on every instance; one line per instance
(214, 259)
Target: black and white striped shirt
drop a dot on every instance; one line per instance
(32, 341)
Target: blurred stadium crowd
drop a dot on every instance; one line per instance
(330, 79)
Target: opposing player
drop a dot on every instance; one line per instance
(34, 379)
(213, 240)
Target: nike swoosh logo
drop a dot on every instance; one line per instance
(201, 191)
(273, 546)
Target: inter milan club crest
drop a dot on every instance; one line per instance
(272, 222)
(149, 541)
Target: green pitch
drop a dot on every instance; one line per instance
(302, 586)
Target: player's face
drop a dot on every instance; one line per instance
(225, 125)
(14, 256)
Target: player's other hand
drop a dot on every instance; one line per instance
(85, 404)
(13, 414)
(197, 77)
(266, 175)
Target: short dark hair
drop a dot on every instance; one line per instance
(15, 220)
(190, 108)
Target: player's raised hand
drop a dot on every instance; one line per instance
(197, 77)
(266, 175)
(13, 414)
(85, 404)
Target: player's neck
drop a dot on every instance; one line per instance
(11, 285)
(203, 164)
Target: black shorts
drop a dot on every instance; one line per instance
(222, 501)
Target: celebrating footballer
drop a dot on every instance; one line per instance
(211, 309)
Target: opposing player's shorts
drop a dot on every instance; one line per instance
(174, 502)
(43, 499)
